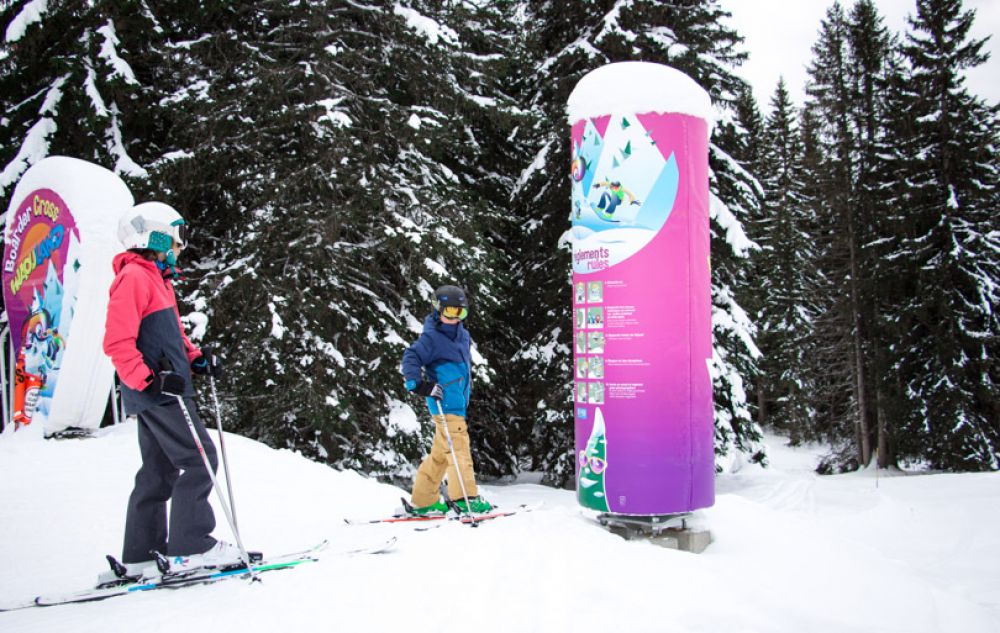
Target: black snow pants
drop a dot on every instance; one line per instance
(171, 469)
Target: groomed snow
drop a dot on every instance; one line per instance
(637, 87)
(793, 552)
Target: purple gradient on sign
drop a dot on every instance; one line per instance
(660, 457)
(37, 224)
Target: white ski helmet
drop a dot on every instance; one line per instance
(152, 225)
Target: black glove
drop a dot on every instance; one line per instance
(167, 383)
(429, 390)
(208, 364)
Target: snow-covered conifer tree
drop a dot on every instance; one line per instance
(784, 265)
(70, 84)
(348, 129)
(850, 58)
(944, 250)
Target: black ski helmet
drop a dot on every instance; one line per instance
(450, 296)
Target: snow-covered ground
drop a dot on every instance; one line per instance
(793, 552)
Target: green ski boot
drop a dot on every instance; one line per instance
(477, 505)
(438, 508)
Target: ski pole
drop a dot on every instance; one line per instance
(222, 450)
(454, 459)
(218, 490)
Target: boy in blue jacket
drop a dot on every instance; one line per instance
(439, 367)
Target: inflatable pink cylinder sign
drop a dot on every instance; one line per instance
(641, 291)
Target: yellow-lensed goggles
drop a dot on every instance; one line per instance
(454, 312)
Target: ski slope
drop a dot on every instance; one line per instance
(793, 552)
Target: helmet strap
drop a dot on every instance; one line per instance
(168, 263)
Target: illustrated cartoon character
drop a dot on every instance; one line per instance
(27, 388)
(41, 344)
(37, 357)
(614, 195)
(590, 488)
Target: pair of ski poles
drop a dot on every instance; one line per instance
(228, 509)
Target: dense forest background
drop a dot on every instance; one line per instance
(341, 158)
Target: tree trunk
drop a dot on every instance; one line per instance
(861, 422)
(761, 405)
(886, 458)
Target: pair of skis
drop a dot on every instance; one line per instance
(439, 519)
(171, 579)
(176, 579)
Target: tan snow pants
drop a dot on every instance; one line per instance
(432, 470)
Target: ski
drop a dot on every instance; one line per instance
(438, 519)
(169, 581)
(475, 519)
(397, 519)
(379, 548)
(403, 515)
(194, 576)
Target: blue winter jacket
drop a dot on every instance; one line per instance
(441, 355)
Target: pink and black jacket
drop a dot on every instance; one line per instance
(142, 329)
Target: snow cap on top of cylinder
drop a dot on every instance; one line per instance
(637, 87)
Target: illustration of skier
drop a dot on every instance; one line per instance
(614, 195)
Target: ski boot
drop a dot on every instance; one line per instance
(221, 556)
(476, 505)
(438, 508)
(126, 573)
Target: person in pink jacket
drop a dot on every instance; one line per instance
(155, 360)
